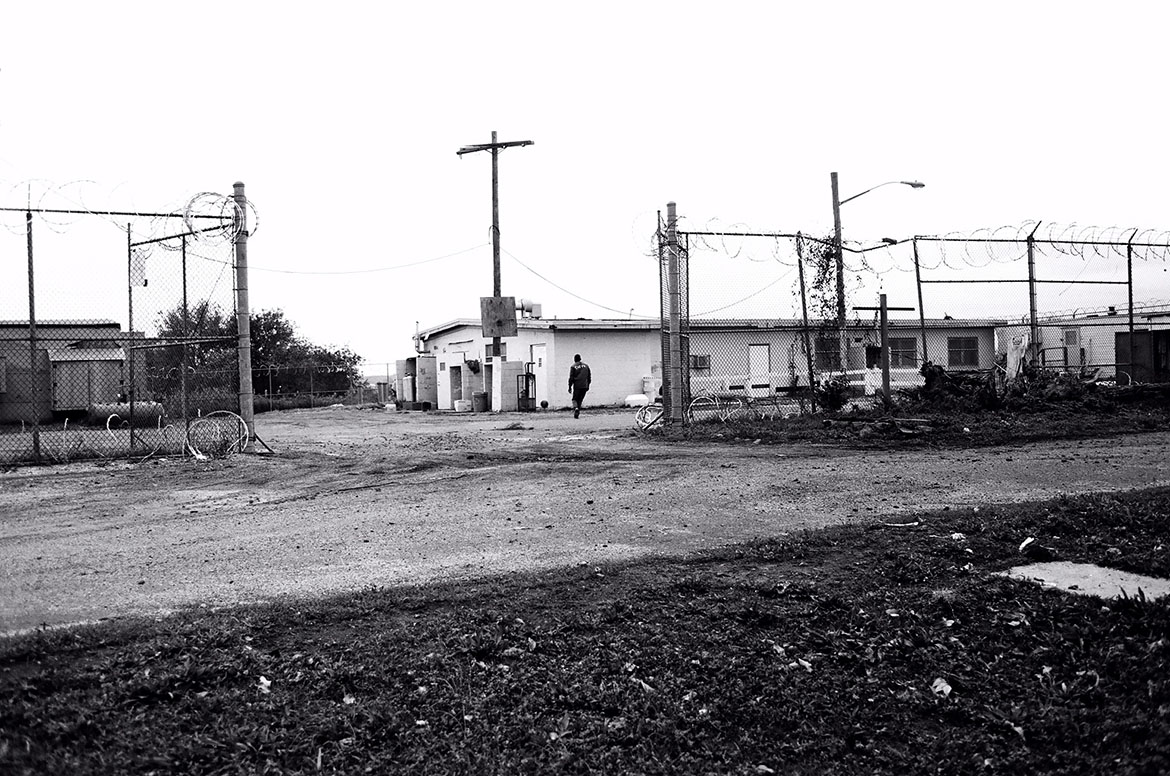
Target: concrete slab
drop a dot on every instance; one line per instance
(1088, 579)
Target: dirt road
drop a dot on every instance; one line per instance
(354, 498)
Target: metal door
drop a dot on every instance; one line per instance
(759, 370)
(539, 358)
(71, 385)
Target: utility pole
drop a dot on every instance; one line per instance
(495, 147)
(839, 251)
(884, 310)
(839, 259)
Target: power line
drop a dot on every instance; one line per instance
(356, 271)
(785, 274)
(575, 296)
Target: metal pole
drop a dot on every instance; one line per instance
(808, 354)
(243, 312)
(495, 147)
(34, 383)
(1034, 330)
(885, 317)
(675, 327)
(1132, 338)
(496, 285)
(921, 309)
(130, 392)
(839, 256)
(184, 365)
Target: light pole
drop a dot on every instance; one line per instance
(837, 245)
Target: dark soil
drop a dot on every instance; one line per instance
(1076, 411)
(877, 649)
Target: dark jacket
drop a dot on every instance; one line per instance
(579, 375)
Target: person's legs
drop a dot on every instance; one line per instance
(578, 400)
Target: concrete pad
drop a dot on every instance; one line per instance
(1088, 579)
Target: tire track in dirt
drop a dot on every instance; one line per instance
(399, 499)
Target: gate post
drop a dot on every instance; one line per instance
(674, 333)
(243, 313)
(34, 381)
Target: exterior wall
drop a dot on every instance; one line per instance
(936, 344)
(729, 349)
(619, 361)
(625, 357)
(19, 384)
(1096, 336)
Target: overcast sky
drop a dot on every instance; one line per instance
(344, 119)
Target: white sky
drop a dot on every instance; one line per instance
(343, 119)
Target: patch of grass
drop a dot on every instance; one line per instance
(861, 649)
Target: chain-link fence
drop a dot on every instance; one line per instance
(314, 384)
(752, 322)
(1095, 302)
(752, 312)
(118, 332)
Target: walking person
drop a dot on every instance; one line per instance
(579, 379)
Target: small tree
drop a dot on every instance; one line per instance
(276, 347)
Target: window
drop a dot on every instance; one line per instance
(828, 352)
(701, 363)
(962, 351)
(903, 351)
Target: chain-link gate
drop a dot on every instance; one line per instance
(130, 355)
(753, 350)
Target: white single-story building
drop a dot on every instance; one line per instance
(621, 355)
(625, 357)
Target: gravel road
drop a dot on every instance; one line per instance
(353, 498)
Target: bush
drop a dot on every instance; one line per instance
(832, 394)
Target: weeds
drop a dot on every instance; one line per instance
(858, 649)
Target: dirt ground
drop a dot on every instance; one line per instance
(359, 497)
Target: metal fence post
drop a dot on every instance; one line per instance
(130, 390)
(184, 363)
(1129, 285)
(1034, 329)
(675, 314)
(34, 383)
(808, 354)
(243, 313)
(921, 309)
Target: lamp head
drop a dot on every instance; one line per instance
(913, 184)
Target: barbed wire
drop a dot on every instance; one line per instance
(206, 217)
(1009, 243)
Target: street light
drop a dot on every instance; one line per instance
(837, 203)
(911, 184)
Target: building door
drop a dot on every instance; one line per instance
(538, 355)
(759, 370)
